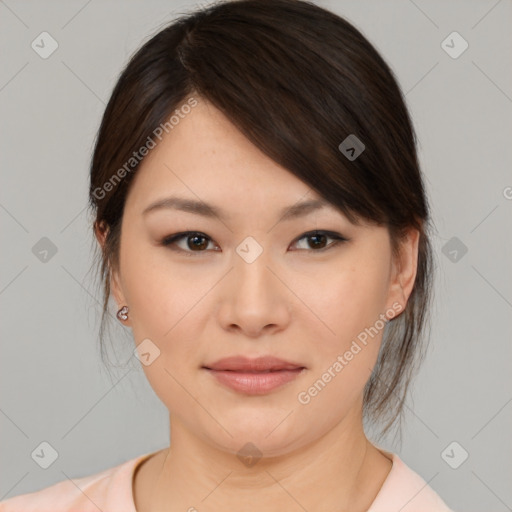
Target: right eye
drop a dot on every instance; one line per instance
(195, 241)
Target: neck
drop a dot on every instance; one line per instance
(339, 471)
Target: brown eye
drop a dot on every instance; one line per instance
(317, 240)
(197, 242)
(194, 242)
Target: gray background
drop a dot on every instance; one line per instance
(53, 385)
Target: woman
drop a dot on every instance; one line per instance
(263, 229)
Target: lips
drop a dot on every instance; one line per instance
(263, 364)
(257, 376)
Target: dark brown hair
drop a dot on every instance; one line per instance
(296, 80)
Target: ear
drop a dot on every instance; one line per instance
(404, 269)
(101, 231)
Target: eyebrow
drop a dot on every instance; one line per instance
(207, 210)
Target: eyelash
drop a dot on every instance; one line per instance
(172, 239)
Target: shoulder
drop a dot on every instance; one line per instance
(406, 491)
(110, 489)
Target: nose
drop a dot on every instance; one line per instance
(254, 297)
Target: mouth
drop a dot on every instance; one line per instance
(255, 371)
(261, 364)
(254, 376)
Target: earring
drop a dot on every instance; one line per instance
(122, 314)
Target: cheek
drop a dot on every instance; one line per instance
(166, 308)
(351, 301)
(159, 296)
(343, 361)
(163, 308)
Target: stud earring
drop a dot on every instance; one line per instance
(122, 314)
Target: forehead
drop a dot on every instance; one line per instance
(205, 158)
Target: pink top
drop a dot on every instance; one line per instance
(111, 491)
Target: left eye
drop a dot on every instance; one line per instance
(319, 237)
(197, 241)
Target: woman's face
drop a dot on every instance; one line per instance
(251, 284)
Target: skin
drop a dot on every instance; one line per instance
(295, 301)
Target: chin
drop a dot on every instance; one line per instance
(263, 438)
